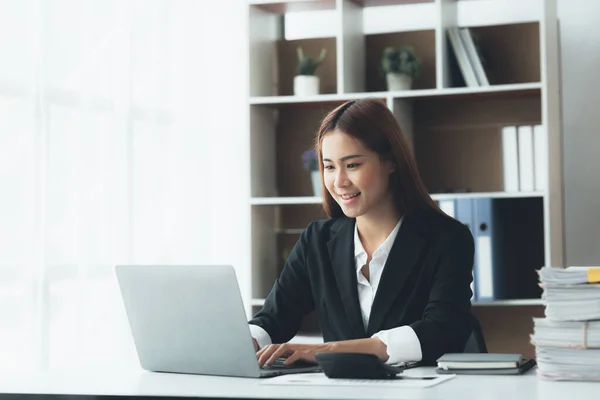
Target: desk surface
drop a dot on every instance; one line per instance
(140, 383)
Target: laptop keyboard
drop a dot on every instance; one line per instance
(278, 364)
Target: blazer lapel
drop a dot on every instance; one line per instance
(402, 259)
(341, 253)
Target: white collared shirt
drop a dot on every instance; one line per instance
(402, 342)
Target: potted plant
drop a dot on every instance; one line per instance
(400, 65)
(311, 164)
(305, 82)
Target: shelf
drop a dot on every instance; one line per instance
(274, 201)
(496, 303)
(286, 6)
(512, 90)
(492, 195)
(318, 99)
(454, 131)
(378, 3)
(515, 302)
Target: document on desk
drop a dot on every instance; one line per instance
(319, 379)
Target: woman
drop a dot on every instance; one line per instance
(388, 274)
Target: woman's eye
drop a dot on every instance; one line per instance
(328, 167)
(354, 165)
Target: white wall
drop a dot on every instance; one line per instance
(122, 140)
(580, 44)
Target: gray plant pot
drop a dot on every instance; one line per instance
(397, 81)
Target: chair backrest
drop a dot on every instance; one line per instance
(476, 342)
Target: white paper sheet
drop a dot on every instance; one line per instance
(319, 379)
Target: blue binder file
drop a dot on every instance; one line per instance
(464, 213)
(484, 254)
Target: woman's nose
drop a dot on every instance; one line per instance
(341, 180)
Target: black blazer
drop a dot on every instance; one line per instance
(425, 283)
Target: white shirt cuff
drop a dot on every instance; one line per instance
(260, 335)
(402, 343)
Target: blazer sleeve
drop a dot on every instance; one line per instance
(290, 298)
(446, 323)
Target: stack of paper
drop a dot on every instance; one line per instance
(572, 302)
(568, 364)
(566, 334)
(567, 341)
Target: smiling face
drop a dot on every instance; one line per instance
(355, 176)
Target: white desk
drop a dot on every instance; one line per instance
(140, 383)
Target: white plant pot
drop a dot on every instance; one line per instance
(315, 177)
(306, 85)
(397, 81)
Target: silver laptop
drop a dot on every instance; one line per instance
(191, 319)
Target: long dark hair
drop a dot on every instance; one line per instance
(372, 122)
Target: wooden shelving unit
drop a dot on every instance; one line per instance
(454, 131)
(274, 201)
(499, 303)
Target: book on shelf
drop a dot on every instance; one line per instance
(462, 58)
(510, 158)
(473, 56)
(524, 158)
(526, 164)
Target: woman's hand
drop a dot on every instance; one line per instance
(294, 352)
(306, 352)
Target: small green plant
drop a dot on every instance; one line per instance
(400, 60)
(306, 65)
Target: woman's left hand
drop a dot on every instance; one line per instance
(294, 352)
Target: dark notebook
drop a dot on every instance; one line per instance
(483, 364)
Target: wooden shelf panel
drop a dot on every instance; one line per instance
(378, 3)
(312, 100)
(275, 201)
(496, 91)
(509, 303)
(282, 7)
(494, 303)
(493, 195)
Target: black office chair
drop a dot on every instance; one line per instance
(476, 342)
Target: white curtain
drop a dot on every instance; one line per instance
(122, 140)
